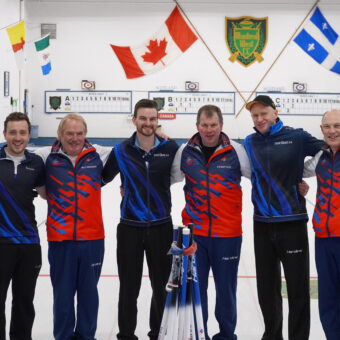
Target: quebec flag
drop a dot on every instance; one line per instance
(320, 41)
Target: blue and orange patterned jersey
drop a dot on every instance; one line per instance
(74, 193)
(212, 189)
(326, 217)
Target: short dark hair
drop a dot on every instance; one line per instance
(209, 111)
(145, 103)
(15, 117)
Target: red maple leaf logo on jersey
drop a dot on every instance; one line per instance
(157, 51)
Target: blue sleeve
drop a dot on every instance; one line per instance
(41, 178)
(311, 144)
(110, 169)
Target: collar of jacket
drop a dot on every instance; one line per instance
(132, 140)
(272, 129)
(223, 142)
(56, 146)
(327, 149)
(3, 154)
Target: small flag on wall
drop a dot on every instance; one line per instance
(16, 36)
(43, 49)
(320, 41)
(172, 39)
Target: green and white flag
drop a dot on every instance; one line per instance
(43, 49)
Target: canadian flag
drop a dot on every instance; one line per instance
(172, 39)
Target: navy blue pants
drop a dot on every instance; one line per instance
(75, 267)
(222, 255)
(327, 258)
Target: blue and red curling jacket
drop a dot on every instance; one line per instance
(212, 189)
(74, 193)
(326, 217)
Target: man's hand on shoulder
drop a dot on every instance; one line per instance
(162, 135)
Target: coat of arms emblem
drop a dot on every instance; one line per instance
(160, 102)
(55, 102)
(246, 38)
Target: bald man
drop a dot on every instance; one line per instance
(326, 223)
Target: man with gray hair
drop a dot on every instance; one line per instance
(75, 229)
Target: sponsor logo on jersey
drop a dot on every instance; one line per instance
(224, 166)
(161, 155)
(189, 161)
(284, 142)
(89, 166)
(56, 162)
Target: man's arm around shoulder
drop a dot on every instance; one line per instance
(310, 165)
(177, 174)
(243, 158)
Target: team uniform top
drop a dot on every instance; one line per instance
(17, 184)
(277, 161)
(212, 189)
(145, 180)
(326, 166)
(74, 192)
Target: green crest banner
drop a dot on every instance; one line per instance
(55, 102)
(246, 38)
(160, 102)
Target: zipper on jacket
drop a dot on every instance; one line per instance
(330, 196)
(208, 187)
(270, 179)
(147, 165)
(75, 197)
(208, 200)
(75, 205)
(208, 193)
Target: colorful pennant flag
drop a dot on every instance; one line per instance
(173, 38)
(43, 49)
(16, 36)
(320, 41)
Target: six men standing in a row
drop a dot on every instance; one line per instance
(70, 175)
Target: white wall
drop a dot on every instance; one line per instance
(82, 51)
(9, 13)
